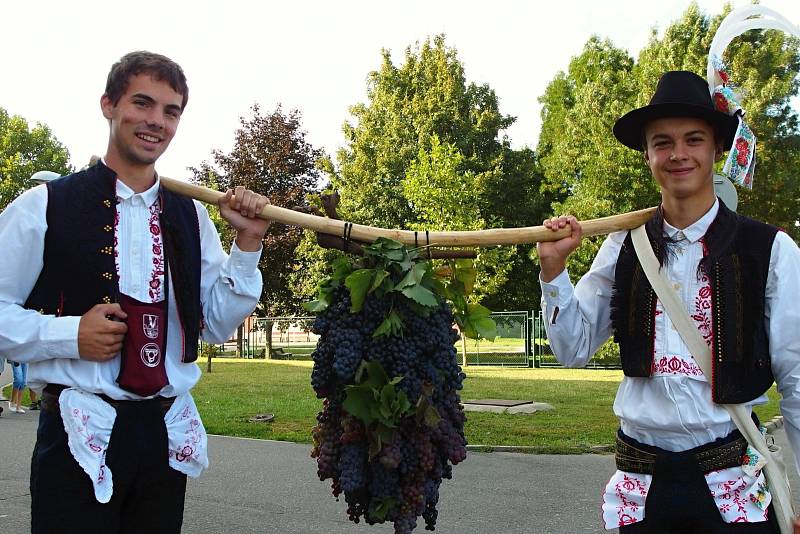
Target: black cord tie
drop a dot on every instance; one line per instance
(346, 231)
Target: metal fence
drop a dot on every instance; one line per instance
(521, 342)
(291, 338)
(511, 348)
(543, 354)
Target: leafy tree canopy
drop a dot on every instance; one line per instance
(25, 151)
(272, 157)
(580, 157)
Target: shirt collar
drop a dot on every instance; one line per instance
(696, 230)
(149, 196)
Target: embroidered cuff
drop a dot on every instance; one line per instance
(60, 337)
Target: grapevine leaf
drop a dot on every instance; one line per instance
(486, 327)
(376, 376)
(468, 328)
(403, 404)
(315, 306)
(375, 444)
(445, 271)
(358, 282)
(357, 402)
(414, 276)
(379, 508)
(476, 311)
(466, 274)
(436, 285)
(421, 295)
(341, 268)
(380, 276)
(432, 417)
(384, 329)
(392, 325)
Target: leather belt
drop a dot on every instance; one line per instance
(53, 391)
(634, 460)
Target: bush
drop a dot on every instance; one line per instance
(607, 355)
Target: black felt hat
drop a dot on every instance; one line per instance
(679, 94)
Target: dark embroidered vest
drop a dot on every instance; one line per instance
(79, 269)
(737, 265)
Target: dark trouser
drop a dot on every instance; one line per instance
(680, 502)
(148, 494)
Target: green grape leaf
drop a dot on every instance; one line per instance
(315, 306)
(341, 268)
(380, 508)
(421, 295)
(359, 282)
(380, 276)
(466, 273)
(431, 416)
(358, 402)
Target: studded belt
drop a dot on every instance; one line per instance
(634, 460)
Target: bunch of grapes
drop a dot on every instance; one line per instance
(401, 481)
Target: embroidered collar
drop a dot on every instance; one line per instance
(696, 230)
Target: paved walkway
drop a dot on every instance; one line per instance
(258, 486)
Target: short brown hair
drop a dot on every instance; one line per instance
(159, 67)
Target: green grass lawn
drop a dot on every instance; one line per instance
(238, 389)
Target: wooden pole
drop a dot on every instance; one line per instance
(475, 238)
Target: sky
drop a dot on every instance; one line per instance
(314, 56)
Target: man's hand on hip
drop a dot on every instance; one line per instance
(100, 336)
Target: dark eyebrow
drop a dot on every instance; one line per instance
(143, 96)
(660, 136)
(171, 107)
(695, 132)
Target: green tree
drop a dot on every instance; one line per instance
(425, 96)
(272, 157)
(24, 151)
(581, 158)
(425, 152)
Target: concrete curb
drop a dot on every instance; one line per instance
(526, 449)
(774, 424)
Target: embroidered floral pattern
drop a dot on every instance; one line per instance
(89, 441)
(676, 365)
(623, 502)
(740, 499)
(157, 274)
(193, 436)
(702, 310)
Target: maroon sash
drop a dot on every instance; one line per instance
(142, 369)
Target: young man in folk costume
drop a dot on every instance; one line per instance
(107, 283)
(679, 455)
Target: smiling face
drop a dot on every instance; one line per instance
(143, 122)
(681, 152)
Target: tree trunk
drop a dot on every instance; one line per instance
(240, 341)
(268, 350)
(208, 365)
